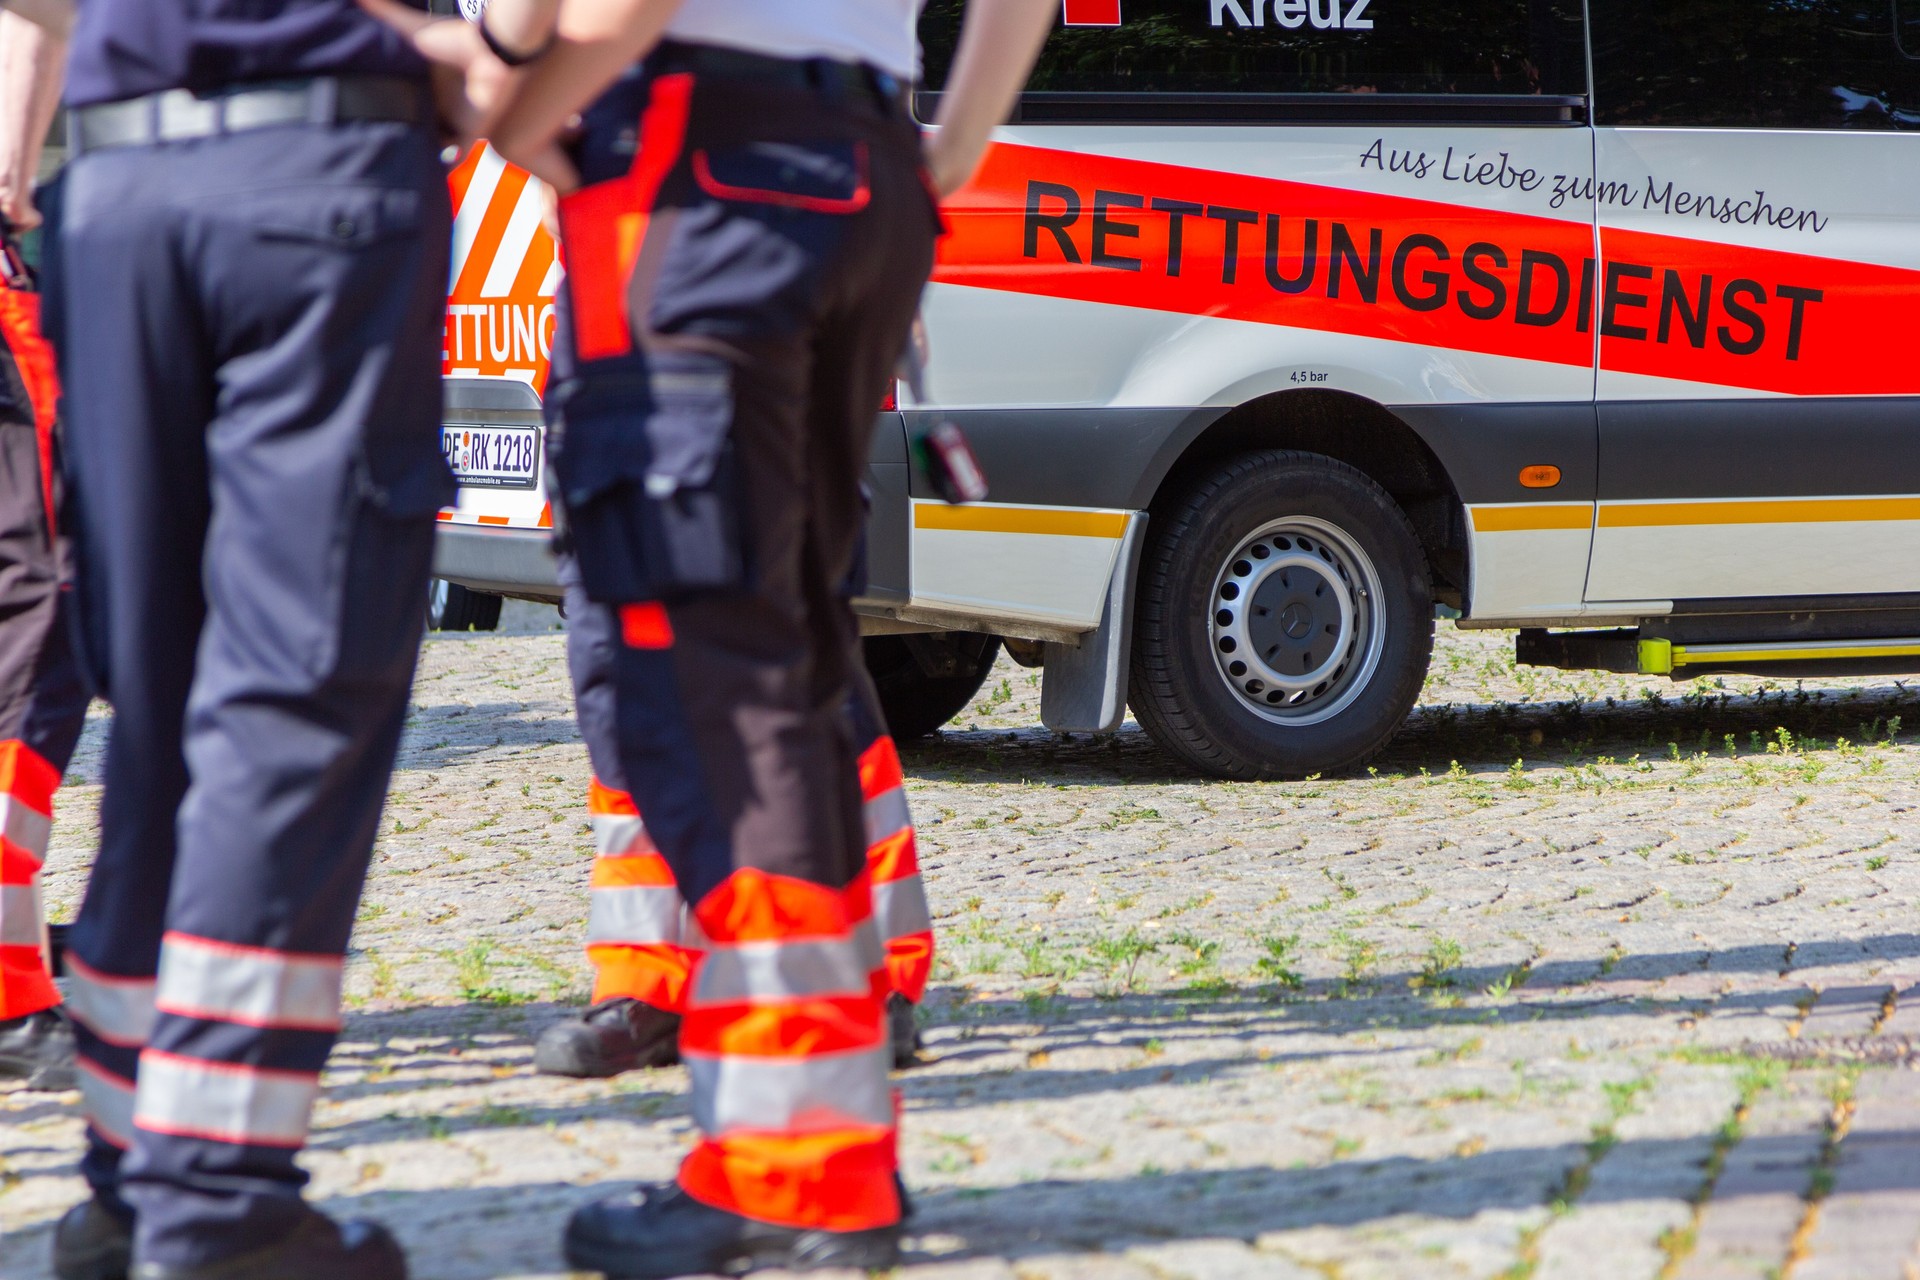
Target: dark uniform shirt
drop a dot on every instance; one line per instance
(127, 48)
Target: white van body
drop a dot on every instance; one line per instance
(1580, 319)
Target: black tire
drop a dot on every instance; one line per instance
(451, 607)
(917, 703)
(1331, 561)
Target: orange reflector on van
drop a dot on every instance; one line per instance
(1541, 477)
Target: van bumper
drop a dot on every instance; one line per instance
(497, 560)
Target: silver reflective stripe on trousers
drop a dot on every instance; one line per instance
(900, 907)
(635, 916)
(887, 815)
(108, 1103)
(814, 1094)
(249, 985)
(19, 915)
(24, 826)
(118, 1010)
(223, 1103)
(800, 970)
(618, 833)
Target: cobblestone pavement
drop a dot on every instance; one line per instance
(1585, 979)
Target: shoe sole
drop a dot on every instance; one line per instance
(817, 1252)
(575, 1067)
(100, 1264)
(41, 1078)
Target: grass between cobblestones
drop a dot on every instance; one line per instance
(1509, 1003)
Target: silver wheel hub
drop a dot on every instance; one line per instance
(1295, 628)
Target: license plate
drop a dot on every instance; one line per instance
(492, 457)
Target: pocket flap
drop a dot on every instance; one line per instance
(664, 427)
(351, 217)
(822, 177)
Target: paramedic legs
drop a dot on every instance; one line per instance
(712, 481)
(636, 931)
(258, 310)
(42, 701)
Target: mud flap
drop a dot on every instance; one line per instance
(1085, 686)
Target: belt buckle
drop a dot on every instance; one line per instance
(179, 115)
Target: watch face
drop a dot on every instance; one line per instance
(472, 9)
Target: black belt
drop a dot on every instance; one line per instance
(826, 76)
(177, 115)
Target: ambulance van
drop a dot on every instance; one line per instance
(1283, 327)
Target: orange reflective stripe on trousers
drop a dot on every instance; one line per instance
(635, 923)
(893, 865)
(634, 952)
(785, 1043)
(27, 784)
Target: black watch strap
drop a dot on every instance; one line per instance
(507, 55)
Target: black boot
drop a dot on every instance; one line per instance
(904, 1030)
(613, 1036)
(318, 1249)
(658, 1232)
(91, 1243)
(38, 1049)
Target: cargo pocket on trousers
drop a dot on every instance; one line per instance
(651, 483)
(359, 243)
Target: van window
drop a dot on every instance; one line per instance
(1297, 46)
(1757, 64)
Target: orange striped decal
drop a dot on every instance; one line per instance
(492, 230)
(461, 179)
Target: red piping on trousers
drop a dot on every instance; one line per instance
(33, 356)
(646, 626)
(861, 197)
(605, 224)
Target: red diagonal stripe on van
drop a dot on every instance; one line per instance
(991, 234)
(1843, 323)
(1202, 242)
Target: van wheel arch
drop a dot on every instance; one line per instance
(1363, 434)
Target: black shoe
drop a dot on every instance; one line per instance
(38, 1049)
(613, 1036)
(318, 1249)
(92, 1244)
(907, 1206)
(657, 1232)
(904, 1030)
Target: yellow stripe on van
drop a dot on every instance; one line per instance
(1519, 519)
(1047, 520)
(1640, 515)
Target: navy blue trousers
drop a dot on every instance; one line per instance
(251, 347)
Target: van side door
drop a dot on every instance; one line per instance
(1759, 183)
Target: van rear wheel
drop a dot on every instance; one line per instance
(451, 607)
(925, 681)
(1283, 623)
